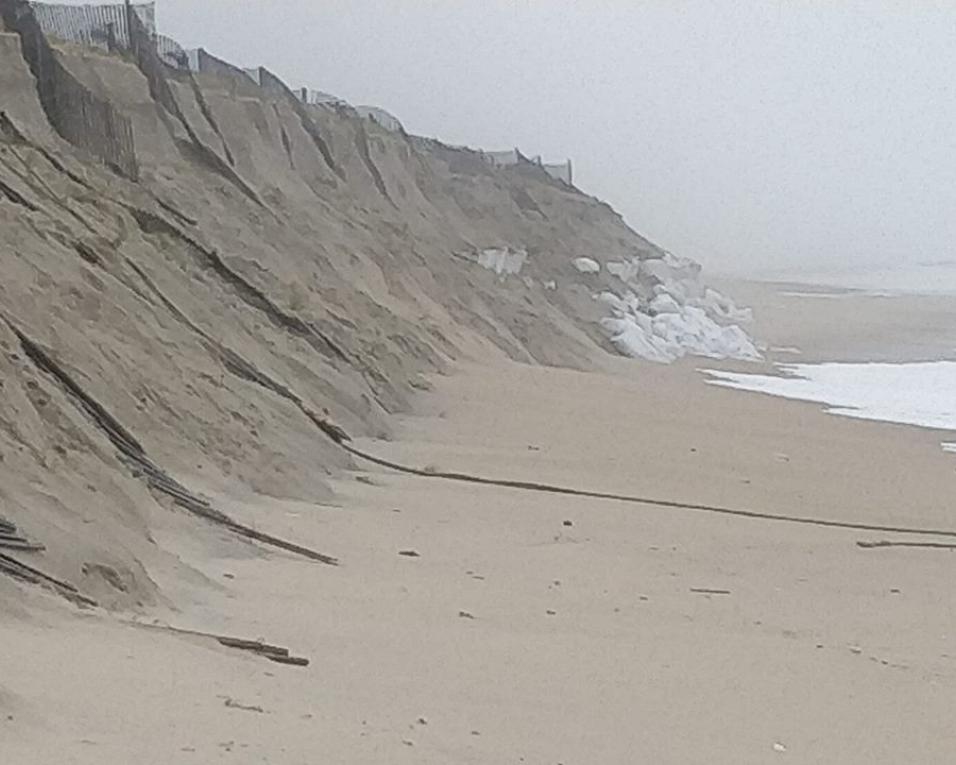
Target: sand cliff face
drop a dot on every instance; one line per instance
(269, 259)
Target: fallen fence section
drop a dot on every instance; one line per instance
(668, 503)
(132, 453)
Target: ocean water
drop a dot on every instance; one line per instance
(912, 393)
(912, 279)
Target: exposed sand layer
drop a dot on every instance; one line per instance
(588, 642)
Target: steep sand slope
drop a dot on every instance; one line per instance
(273, 264)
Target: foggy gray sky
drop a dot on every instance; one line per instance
(743, 134)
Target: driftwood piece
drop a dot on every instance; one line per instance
(254, 646)
(276, 653)
(871, 545)
(295, 661)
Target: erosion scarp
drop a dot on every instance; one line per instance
(269, 265)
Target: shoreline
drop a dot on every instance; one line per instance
(857, 327)
(845, 384)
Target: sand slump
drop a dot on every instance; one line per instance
(134, 455)
(81, 117)
(18, 86)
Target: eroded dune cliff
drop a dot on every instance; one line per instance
(198, 268)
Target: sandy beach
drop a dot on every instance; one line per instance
(530, 627)
(480, 384)
(367, 394)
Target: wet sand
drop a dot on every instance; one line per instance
(835, 324)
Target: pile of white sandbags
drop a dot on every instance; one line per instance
(503, 261)
(662, 312)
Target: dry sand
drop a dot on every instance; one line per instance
(514, 637)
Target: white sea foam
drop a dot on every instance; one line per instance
(913, 393)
